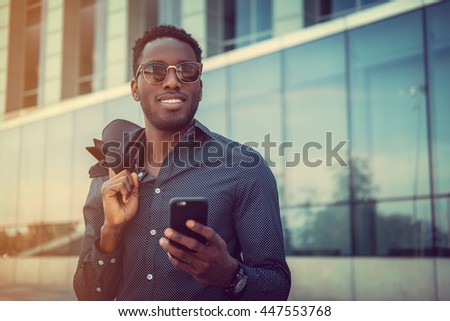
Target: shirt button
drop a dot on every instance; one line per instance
(100, 262)
(157, 190)
(153, 232)
(98, 289)
(149, 277)
(113, 260)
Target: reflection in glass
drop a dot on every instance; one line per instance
(86, 47)
(442, 209)
(317, 230)
(257, 76)
(32, 52)
(255, 99)
(212, 108)
(316, 11)
(316, 104)
(256, 108)
(388, 104)
(82, 159)
(40, 239)
(439, 70)
(394, 228)
(58, 166)
(246, 22)
(31, 174)
(9, 172)
(123, 108)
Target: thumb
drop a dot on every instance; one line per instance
(111, 173)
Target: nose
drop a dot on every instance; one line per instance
(171, 81)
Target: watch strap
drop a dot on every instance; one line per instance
(237, 285)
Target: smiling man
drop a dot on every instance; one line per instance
(126, 253)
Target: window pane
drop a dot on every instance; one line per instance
(316, 104)
(243, 17)
(86, 41)
(229, 20)
(442, 208)
(366, 3)
(317, 231)
(263, 15)
(82, 159)
(256, 107)
(38, 239)
(30, 100)
(31, 176)
(9, 171)
(245, 22)
(58, 178)
(394, 228)
(123, 108)
(255, 99)
(34, 15)
(343, 6)
(256, 77)
(439, 71)
(212, 110)
(32, 46)
(85, 87)
(388, 105)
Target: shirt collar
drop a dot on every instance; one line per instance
(197, 132)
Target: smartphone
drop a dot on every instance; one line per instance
(188, 208)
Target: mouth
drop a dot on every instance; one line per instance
(172, 101)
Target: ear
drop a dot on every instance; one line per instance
(134, 89)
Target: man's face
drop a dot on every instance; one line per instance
(170, 105)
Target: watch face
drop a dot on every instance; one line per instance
(240, 285)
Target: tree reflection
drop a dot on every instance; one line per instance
(366, 227)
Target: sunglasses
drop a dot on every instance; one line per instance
(156, 72)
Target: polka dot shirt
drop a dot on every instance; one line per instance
(243, 209)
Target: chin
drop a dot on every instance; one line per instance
(174, 123)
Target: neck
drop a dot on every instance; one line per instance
(161, 142)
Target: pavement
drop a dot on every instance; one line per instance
(26, 292)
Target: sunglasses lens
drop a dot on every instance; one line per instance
(188, 72)
(155, 73)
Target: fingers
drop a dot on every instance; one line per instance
(176, 255)
(188, 242)
(197, 249)
(205, 231)
(211, 264)
(111, 172)
(124, 183)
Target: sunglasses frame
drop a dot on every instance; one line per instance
(142, 67)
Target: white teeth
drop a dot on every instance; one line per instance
(171, 101)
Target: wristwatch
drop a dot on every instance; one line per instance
(239, 282)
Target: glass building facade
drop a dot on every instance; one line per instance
(380, 90)
(353, 123)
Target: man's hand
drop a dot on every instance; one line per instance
(120, 203)
(209, 263)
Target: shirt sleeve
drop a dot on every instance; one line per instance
(98, 274)
(260, 233)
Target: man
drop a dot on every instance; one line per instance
(126, 253)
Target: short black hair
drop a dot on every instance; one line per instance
(164, 31)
